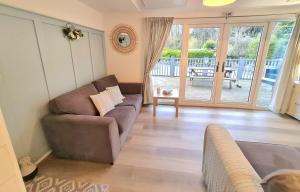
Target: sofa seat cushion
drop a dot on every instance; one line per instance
(108, 81)
(75, 102)
(134, 100)
(266, 158)
(124, 115)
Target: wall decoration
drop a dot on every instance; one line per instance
(71, 32)
(124, 38)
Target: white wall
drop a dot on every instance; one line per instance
(127, 67)
(69, 10)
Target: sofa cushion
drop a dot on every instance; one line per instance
(103, 102)
(124, 115)
(75, 102)
(283, 180)
(132, 100)
(108, 81)
(115, 94)
(266, 158)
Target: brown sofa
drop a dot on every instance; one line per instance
(75, 130)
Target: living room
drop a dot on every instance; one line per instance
(149, 95)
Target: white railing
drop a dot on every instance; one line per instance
(170, 67)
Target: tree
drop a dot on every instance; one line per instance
(198, 36)
(280, 39)
(210, 44)
(253, 48)
(174, 40)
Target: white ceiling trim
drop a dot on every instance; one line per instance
(171, 6)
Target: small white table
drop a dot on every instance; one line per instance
(173, 96)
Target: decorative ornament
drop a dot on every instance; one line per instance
(71, 32)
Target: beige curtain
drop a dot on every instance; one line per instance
(289, 74)
(157, 32)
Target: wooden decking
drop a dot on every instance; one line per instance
(164, 154)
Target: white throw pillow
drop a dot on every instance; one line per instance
(115, 94)
(103, 102)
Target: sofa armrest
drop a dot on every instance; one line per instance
(83, 137)
(225, 168)
(131, 88)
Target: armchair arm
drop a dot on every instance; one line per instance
(83, 137)
(224, 161)
(131, 88)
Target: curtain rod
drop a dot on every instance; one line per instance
(235, 16)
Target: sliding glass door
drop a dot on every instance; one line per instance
(222, 63)
(242, 49)
(203, 56)
(166, 73)
(281, 32)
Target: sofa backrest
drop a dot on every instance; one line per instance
(104, 82)
(75, 102)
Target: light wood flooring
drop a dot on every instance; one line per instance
(164, 153)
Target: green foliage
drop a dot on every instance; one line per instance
(253, 48)
(210, 44)
(243, 42)
(167, 52)
(277, 46)
(280, 39)
(272, 46)
(201, 53)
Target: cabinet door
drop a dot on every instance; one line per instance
(294, 108)
(10, 176)
(97, 51)
(82, 60)
(58, 60)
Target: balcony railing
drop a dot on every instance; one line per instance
(170, 67)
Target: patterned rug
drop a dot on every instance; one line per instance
(51, 184)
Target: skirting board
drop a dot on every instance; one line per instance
(43, 157)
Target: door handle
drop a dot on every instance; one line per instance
(217, 68)
(223, 67)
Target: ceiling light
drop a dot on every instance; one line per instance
(216, 3)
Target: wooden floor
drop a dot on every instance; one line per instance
(164, 153)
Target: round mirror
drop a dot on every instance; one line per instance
(124, 38)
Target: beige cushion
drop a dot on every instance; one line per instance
(103, 102)
(115, 94)
(284, 180)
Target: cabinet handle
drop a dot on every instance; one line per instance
(223, 67)
(217, 68)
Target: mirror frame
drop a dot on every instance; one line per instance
(115, 38)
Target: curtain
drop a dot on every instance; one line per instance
(289, 73)
(157, 32)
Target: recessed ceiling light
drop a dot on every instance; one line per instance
(217, 3)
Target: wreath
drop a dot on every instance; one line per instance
(71, 32)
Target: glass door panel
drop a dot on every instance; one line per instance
(203, 43)
(166, 72)
(278, 45)
(241, 62)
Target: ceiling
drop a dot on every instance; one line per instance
(182, 5)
